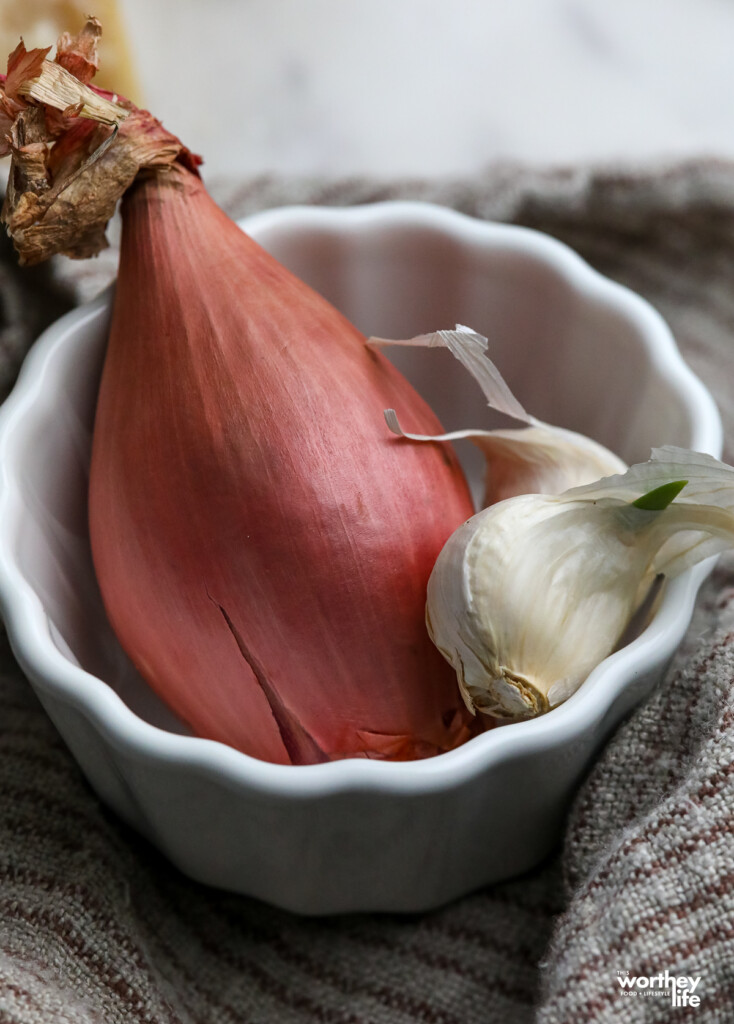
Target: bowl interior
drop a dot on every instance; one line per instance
(569, 344)
(572, 345)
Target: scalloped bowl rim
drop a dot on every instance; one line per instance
(52, 672)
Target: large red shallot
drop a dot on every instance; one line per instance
(262, 541)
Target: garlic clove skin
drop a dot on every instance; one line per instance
(538, 458)
(532, 593)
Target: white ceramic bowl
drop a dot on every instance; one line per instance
(579, 350)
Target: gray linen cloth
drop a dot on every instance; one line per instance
(95, 925)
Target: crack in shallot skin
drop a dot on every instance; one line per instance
(300, 745)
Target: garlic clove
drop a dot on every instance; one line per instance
(529, 595)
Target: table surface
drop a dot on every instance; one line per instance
(415, 87)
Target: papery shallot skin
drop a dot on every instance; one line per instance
(261, 540)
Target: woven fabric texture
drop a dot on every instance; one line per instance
(96, 926)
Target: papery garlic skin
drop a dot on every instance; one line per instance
(530, 594)
(541, 459)
(538, 458)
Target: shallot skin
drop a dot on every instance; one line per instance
(261, 540)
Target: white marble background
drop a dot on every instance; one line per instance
(433, 87)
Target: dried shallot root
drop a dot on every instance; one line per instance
(261, 539)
